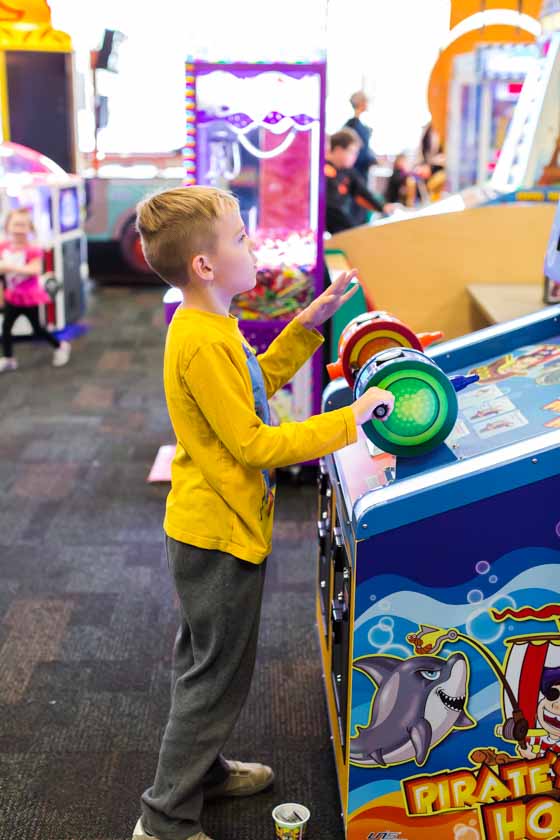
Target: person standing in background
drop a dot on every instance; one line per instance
(366, 157)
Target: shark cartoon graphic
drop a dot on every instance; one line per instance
(418, 702)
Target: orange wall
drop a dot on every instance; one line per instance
(461, 9)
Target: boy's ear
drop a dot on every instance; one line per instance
(202, 268)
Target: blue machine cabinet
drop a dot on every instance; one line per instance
(438, 606)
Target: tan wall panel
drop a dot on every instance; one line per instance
(419, 269)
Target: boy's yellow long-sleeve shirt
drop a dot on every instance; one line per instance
(222, 496)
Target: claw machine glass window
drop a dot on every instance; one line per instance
(258, 130)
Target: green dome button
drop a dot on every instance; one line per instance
(425, 408)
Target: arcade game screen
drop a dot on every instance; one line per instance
(517, 395)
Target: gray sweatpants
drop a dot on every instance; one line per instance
(213, 662)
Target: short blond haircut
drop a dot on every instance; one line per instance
(175, 225)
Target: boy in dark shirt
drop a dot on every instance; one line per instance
(347, 193)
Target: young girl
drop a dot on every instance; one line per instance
(21, 265)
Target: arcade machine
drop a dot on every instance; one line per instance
(529, 141)
(113, 190)
(35, 57)
(438, 590)
(57, 204)
(533, 132)
(257, 130)
(534, 129)
(483, 92)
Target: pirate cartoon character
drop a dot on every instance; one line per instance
(547, 738)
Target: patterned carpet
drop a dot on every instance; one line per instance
(87, 616)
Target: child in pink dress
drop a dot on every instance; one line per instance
(21, 265)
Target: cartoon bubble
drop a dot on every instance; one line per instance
(482, 567)
(465, 832)
(474, 596)
(558, 529)
(380, 635)
(373, 597)
(501, 602)
(480, 624)
(387, 621)
(493, 579)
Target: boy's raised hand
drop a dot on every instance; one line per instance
(326, 304)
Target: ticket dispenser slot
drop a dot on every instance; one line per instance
(340, 625)
(324, 539)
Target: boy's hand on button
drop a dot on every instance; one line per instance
(374, 398)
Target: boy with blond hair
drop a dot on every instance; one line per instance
(218, 520)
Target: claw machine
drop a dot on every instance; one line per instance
(56, 201)
(258, 130)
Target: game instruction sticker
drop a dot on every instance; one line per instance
(488, 409)
(500, 425)
(475, 395)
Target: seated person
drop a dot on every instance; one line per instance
(347, 193)
(401, 187)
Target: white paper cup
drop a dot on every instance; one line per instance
(290, 821)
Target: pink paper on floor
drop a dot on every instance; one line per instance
(161, 468)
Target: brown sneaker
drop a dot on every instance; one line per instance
(140, 833)
(243, 780)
